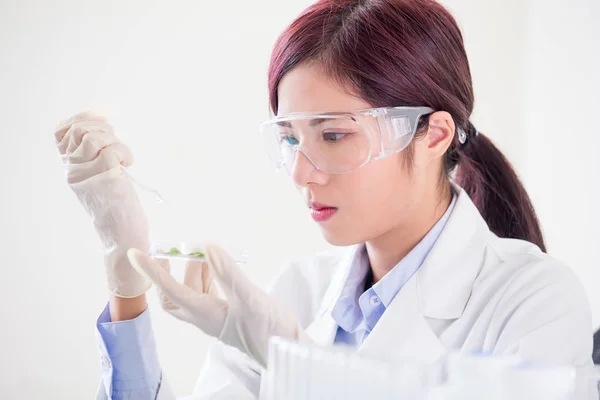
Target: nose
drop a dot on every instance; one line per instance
(305, 172)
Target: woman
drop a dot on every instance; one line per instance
(440, 247)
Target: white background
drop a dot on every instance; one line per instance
(186, 84)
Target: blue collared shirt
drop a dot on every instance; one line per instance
(357, 311)
(130, 366)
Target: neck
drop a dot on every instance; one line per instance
(389, 249)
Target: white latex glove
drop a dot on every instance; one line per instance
(245, 320)
(93, 157)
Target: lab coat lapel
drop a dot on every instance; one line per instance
(402, 333)
(445, 280)
(323, 328)
(440, 290)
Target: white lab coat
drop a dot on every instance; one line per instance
(474, 292)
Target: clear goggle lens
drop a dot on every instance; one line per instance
(333, 144)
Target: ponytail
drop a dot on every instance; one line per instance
(493, 185)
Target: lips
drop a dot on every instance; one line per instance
(319, 206)
(321, 212)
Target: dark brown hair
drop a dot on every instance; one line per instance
(410, 53)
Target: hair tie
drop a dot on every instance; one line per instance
(464, 136)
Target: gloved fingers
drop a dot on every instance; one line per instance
(165, 301)
(63, 143)
(208, 280)
(200, 277)
(78, 131)
(230, 277)
(116, 154)
(179, 294)
(193, 275)
(205, 311)
(112, 156)
(63, 126)
(91, 144)
(86, 115)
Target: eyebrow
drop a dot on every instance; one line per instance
(313, 122)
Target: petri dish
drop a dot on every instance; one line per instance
(166, 223)
(191, 251)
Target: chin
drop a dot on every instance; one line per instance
(340, 238)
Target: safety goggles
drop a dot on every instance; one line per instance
(340, 142)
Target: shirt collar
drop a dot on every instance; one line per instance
(347, 312)
(388, 287)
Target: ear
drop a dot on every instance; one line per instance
(440, 133)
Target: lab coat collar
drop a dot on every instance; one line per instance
(445, 280)
(324, 327)
(440, 289)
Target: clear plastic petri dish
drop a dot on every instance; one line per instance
(191, 251)
(166, 224)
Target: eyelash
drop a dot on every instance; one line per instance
(284, 138)
(336, 136)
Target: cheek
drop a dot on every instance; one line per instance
(383, 186)
(375, 200)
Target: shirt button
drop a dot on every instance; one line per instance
(374, 300)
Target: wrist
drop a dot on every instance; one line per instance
(122, 309)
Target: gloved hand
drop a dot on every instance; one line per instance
(94, 159)
(246, 320)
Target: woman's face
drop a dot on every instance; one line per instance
(370, 201)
